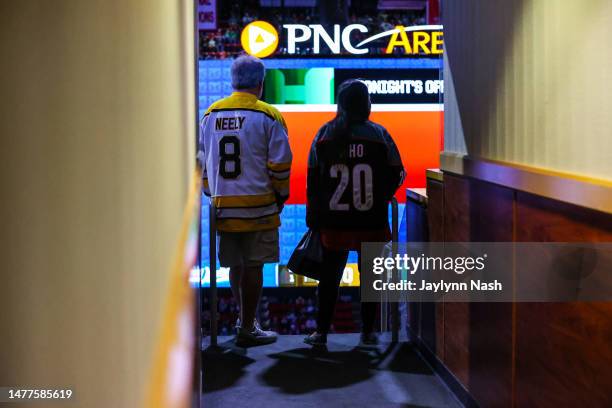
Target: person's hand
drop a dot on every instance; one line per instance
(280, 202)
(312, 222)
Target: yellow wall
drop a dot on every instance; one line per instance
(529, 82)
(97, 134)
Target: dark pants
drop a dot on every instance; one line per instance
(327, 294)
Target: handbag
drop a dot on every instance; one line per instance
(307, 257)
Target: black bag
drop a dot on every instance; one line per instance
(307, 257)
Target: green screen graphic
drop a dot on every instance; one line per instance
(299, 86)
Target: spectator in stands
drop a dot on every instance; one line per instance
(386, 25)
(247, 18)
(212, 44)
(354, 168)
(226, 43)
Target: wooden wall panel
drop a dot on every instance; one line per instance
(415, 231)
(478, 336)
(563, 350)
(491, 212)
(490, 348)
(527, 354)
(457, 340)
(428, 325)
(440, 331)
(543, 220)
(435, 218)
(490, 376)
(456, 314)
(456, 209)
(564, 355)
(435, 210)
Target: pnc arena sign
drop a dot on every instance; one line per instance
(261, 39)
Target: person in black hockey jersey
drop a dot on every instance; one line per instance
(354, 169)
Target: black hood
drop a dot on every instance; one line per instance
(354, 101)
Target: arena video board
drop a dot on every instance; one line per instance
(261, 39)
(406, 98)
(304, 67)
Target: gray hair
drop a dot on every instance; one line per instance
(247, 72)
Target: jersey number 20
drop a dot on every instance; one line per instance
(363, 195)
(229, 155)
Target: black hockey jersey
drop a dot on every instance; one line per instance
(352, 176)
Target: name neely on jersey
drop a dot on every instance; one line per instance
(229, 123)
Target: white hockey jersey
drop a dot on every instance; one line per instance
(246, 160)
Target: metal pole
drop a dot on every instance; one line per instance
(395, 321)
(212, 238)
(198, 378)
(198, 304)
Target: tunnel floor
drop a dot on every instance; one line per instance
(289, 373)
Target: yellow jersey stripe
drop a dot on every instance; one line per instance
(279, 166)
(244, 201)
(235, 100)
(246, 101)
(271, 111)
(245, 225)
(233, 109)
(280, 184)
(243, 100)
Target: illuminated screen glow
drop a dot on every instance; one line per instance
(304, 90)
(416, 133)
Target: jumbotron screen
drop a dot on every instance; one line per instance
(400, 62)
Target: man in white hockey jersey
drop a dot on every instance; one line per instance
(245, 157)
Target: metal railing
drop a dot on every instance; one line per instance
(212, 238)
(394, 306)
(395, 315)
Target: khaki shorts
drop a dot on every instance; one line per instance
(247, 248)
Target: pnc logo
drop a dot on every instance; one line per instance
(259, 39)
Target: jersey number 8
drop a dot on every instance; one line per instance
(229, 155)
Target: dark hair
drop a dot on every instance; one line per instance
(353, 107)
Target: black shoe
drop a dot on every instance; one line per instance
(316, 339)
(369, 339)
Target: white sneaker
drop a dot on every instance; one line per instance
(255, 324)
(255, 337)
